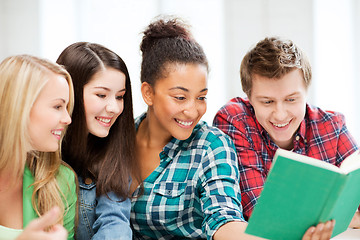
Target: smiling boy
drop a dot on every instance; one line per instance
(275, 75)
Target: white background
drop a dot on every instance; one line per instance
(327, 30)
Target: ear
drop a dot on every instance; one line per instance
(147, 93)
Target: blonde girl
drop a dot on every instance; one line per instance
(36, 98)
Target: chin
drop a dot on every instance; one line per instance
(182, 136)
(48, 149)
(101, 135)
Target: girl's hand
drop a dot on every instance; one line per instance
(36, 228)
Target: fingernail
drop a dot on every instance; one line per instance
(321, 226)
(329, 225)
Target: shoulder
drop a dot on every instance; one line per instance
(205, 136)
(217, 150)
(139, 119)
(237, 117)
(66, 178)
(316, 115)
(65, 171)
(237, 110)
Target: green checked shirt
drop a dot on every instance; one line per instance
(193, 191)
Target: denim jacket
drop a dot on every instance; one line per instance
(101, 218)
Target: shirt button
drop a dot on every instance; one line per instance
(88, 181)
(297, 138)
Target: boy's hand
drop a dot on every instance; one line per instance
(322, 231)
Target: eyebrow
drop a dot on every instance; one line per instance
(185, 89)
(59, 99)
(290, 95)
(108, 89)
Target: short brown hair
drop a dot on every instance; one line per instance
(273, 58)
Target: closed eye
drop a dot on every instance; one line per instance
(179, 98)
(202, 98)
(120, 97)
(58, 107)
(101, 95)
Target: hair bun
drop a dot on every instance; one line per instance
(164, 27)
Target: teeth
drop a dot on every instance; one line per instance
(280, 125)
(56, 132)
(104, 120)
(184, 123)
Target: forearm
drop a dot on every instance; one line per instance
(236, 230)
(233, 230)
(355, 222)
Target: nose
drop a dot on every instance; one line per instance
(66, 120)
(280, 112)
(190, 110)
(114, 106)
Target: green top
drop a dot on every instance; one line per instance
(66, 181)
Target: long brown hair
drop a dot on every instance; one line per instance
(109, 160)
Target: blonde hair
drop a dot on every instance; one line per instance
(22, 78)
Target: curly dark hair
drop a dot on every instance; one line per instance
(168, 40)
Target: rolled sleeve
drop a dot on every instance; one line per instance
(220, 196)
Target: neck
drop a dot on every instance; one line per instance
(150, 134)
(8, 180)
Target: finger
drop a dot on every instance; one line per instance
(45, 221)
(328, 229)
(318, 231)
(308, 234)
(58, 232)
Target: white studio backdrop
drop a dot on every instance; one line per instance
(327, 30)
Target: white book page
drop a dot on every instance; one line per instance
(308, 160)
(351, 163)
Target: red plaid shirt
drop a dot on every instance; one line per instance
(321, 135)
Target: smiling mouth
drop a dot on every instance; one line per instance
(281, 125)
(56, 132)
(104, 120)
(186, 124)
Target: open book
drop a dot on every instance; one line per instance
(301, 191)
